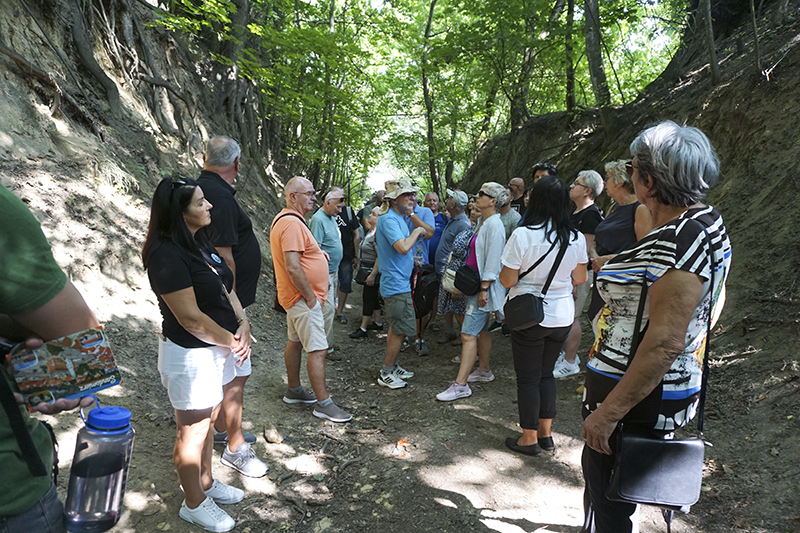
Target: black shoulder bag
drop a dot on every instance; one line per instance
(665, 473)
(275, 304)
(526, 310)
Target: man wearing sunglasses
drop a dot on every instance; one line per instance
(325, 229)
(231, 233)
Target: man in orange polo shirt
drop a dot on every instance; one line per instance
(301, 272)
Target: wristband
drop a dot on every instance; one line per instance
(240, 320)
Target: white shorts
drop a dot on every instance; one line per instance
(194, 377)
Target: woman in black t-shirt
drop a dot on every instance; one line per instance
(205, 332)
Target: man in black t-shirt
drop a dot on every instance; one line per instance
(231, 233)
(348, 223)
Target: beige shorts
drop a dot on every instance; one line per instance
(306, 326)
(399, 311)
(194, 377)
(582, 292)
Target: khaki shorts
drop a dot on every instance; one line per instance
(582, 292)
(399, 311)
(306, 326)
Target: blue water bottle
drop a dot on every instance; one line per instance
(99, 470)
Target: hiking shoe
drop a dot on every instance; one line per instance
(454, 392)
(332, 413)
(479, 375)
(495, 326)
(506, 331)
(221, 437)
(245, 461)
(299, 397)
(405, 345)
(391, 380)
(449, 337)
(374, 327)
(563, 369)
(332, 355)
(208, 516)
(224, 494)
(358, 334)
(422, 348)
(401, 372)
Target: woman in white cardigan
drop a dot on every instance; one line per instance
(485, 253)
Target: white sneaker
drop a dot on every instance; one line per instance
(401, 372)
(454, 392)
(391, 380)
(224, 494)
(563, 369)
(479, 375)
(208, 516)
(245, 461)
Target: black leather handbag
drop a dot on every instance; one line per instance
(665, 473)
(527, 310)
(468, 281)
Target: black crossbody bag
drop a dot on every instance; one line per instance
(665, 473)
(527, 310)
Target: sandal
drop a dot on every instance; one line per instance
(342, 319)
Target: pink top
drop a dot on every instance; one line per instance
(472, 260)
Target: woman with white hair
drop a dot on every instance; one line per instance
(651, 379)
(586, 217)
(484, 256)
(628, 221)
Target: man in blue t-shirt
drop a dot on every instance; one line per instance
(394, 242)
(325, 229)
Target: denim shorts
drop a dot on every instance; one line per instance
(346, 275)
(475, 320)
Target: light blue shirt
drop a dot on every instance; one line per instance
(425, 215)
(395, 268)
(326, 232)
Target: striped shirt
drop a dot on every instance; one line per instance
(680, 244)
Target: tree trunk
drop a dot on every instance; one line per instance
(712, 51)
(426, 94)
(594, 54)
(570, 68)
(488, 112)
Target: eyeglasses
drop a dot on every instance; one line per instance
(483, 193)
(310, 194)
(574, 183)
(629, 168)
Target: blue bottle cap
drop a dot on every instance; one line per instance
(109, 418)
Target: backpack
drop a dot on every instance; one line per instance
(424, 289)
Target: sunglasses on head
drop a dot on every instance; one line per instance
(484, 193)
(180, 181)
(629, 168)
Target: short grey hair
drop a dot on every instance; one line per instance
(679, 160)
(497, 191)
(332, 190)
(222, 151)
(593, 181)
(616, 171)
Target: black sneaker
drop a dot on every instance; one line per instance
(495, 326)
(358, 334)
(372, 326)
(506, 331)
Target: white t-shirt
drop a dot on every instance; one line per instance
(523, 249)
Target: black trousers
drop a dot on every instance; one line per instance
(535, 352)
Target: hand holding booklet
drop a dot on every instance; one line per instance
(70, 367)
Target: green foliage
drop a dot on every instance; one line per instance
(347, 90)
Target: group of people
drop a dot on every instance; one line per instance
(648, 256)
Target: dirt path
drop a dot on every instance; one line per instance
(406, 462)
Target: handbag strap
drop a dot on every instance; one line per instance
(556, 264)
(24, 440)
(538, 261)
(701, 408)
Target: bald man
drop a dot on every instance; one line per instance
(301, 273)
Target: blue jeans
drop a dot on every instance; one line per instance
(45, 516)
